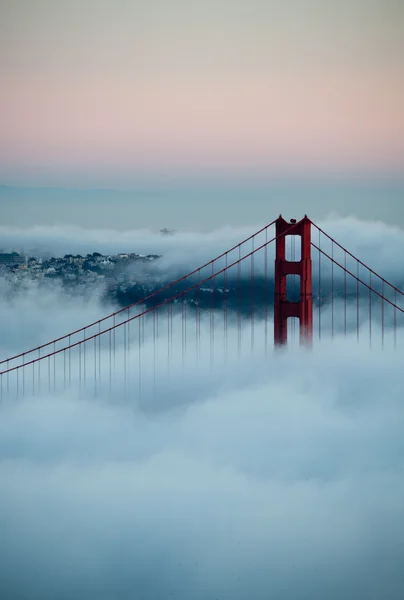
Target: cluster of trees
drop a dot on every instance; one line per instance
(93, 255)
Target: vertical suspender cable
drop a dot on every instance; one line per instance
(252, 295)
(225, 307)
(345, 293)
(125, 358)
(332, 289)
(197, 316)
(39, 368)
(114, 343)
(171, 308)
(239, 302)
(128, 357)
(212, 340)
(70, 363)
(95, 367)
(155, 316)
(139, 360)
(266, 292)
(80, 366)
(23, 375)
(185, 323)
(370, 308)
(64, 370)
(85, 358)
(382, 300)
(110, 361)
(168, 338)
(395, 318)
(182, 333)
(99, 355)
(156, 353)
(357, 301)
(319, 285)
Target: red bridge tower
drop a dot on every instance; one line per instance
(283, 308)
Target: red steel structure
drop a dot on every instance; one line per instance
(220, 311)
(284, 308)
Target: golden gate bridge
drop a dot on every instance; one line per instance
(317, 283)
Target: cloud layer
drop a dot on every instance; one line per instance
(372, 241)
(274, 476)
(269, 485)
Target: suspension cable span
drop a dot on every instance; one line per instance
(348, 272)
(148, 310)
(357, 259)
(152, 295)
(23, 355)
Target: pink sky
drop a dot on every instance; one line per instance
(129, 87)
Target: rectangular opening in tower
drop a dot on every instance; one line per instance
(293, 248)
(292, 288)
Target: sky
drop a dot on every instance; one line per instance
(98, 93)
(201, 204)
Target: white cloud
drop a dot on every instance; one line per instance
(275, 476)
(289, 484)
(374, 242)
